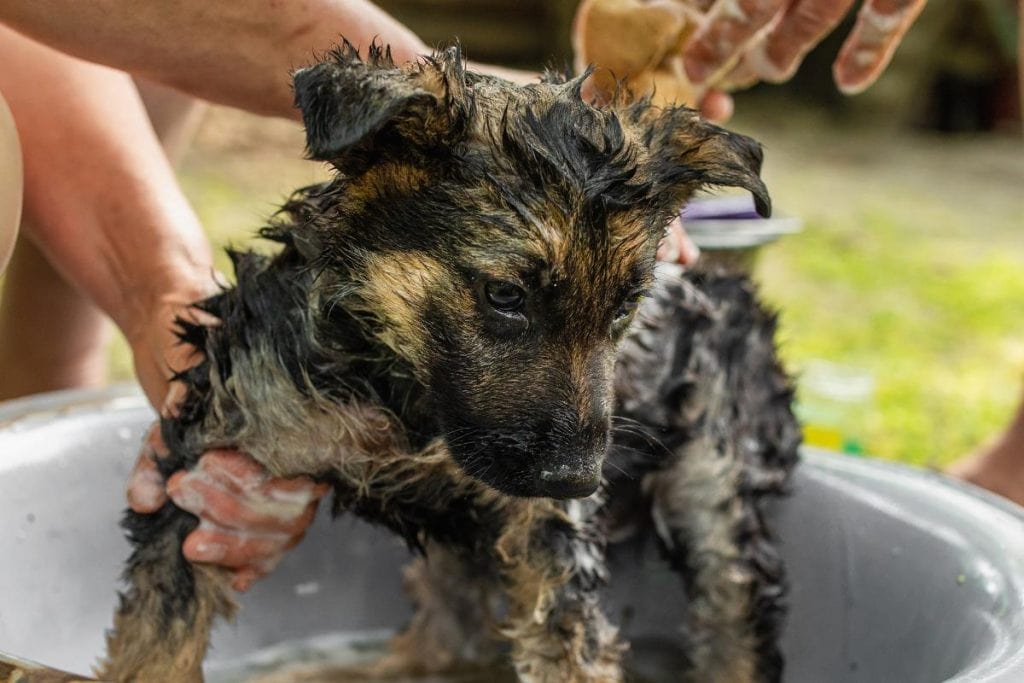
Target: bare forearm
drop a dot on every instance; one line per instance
(99, 194)
(238, 53)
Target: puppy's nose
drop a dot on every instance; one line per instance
(567, 481)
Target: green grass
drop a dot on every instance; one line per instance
(942, 337)
(909, 271)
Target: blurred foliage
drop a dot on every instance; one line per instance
(941, 335)
(1003, 23)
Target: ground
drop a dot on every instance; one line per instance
(908, 278)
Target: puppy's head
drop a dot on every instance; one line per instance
(500, 237)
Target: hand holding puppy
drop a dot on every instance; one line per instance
(247, 518)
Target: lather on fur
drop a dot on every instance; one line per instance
(437, 338)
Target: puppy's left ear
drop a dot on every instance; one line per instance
(690, 153)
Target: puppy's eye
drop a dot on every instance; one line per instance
(504, 296)
(627, 309)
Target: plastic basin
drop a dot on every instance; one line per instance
(897, 574)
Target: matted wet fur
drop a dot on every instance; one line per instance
(438, 337)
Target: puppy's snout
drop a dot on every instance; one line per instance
(574, 471)
(569, 481)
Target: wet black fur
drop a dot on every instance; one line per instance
(706, 326)
(701, 327)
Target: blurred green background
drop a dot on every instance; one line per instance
(902, 301)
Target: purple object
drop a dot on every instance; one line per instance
(731, 224)
(738, 207)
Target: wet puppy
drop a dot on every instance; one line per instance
(438, 337)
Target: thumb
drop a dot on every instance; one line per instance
(147, 491)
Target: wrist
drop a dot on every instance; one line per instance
(163, 296)
(149, 326)
(162, 262)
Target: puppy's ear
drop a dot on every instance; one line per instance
(346, 101)
(689, 153)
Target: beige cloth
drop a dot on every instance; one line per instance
(11, 180)
(640, 43)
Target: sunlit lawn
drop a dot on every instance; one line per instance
(909, 272)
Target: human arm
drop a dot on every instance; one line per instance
(103, 204)
(100, 198)
(239, 53)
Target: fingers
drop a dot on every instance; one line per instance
(880, 27)
(251, 555)
(146, 492)
(213, 545)
(731, 26)
(244, 578)
(173, 399)
(740, 77)
(248, 519)
(677, 247)
(802, 27)
(234, 492)
(717, 107)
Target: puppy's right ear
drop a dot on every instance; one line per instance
(691, 153)
(346, 102)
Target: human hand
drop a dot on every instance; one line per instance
(692, 51)
(677, 247)
(247, 519)
(767, 39)
(640, 41)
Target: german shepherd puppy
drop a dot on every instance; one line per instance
(437, 338)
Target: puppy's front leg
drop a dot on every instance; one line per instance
(456, 605)
(714, 535)
(553, 563)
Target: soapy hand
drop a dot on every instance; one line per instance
(748, 40)
(690, 51)
(247, 519)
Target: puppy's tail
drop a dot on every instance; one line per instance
(162, 625)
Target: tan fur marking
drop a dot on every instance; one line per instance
(629, 234)
(382, 181)
(549, 243)
(579, 361)
(396, 287)
(140, 650)
(429, 78)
